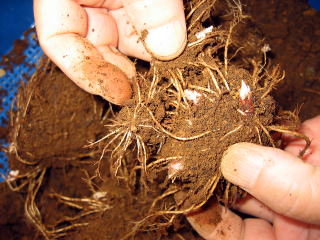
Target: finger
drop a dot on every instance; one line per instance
(286, 228)
(129, 41)
(278, 179)
(161, 25)
(217, 222)
(311, 129)
(254, 207)
(102, 33)
(62, 27)
(257, 229)
(82, 63)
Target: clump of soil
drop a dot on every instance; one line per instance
(188, 111)
(91, 170)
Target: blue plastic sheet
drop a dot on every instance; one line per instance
(10, 82)
(315, 4)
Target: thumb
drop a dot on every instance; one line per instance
(161, 25)
(280, 180)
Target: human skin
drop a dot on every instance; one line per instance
(284, 192)
(89, 39)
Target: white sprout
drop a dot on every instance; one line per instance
(192, 95)
(174, 168)
(245, 91)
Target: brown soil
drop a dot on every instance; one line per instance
(55, 170)
(71, 187)
(292, 30)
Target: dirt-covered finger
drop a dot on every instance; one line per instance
(161, 25)
(129, 41)
(84, 64)
(103, 34)
(279, 179)
(62, 28)
(216, 222)
(311, 129)
(228, 226)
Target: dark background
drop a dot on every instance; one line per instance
(17, 16)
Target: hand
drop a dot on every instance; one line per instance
(85, 38)
(285, 192)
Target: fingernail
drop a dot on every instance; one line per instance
(241, 164)
(167, 41)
